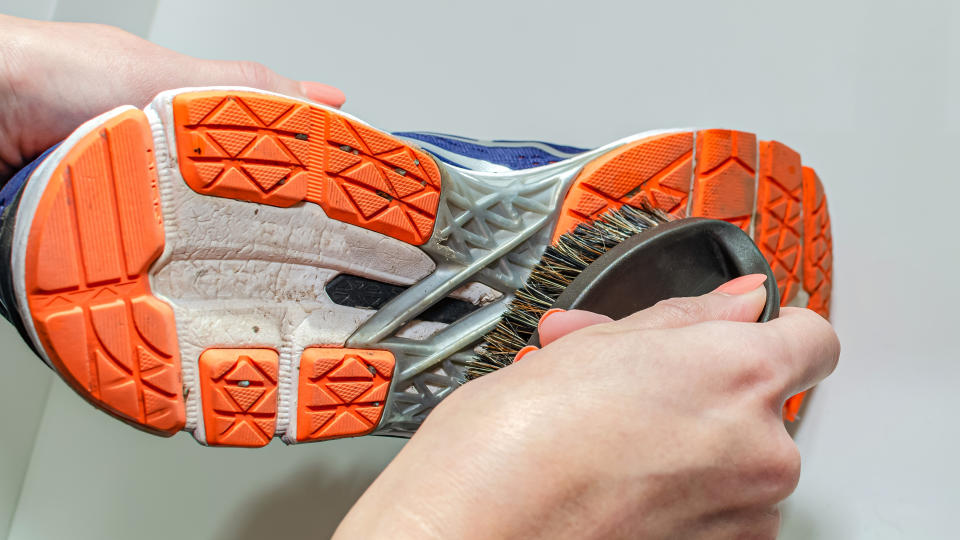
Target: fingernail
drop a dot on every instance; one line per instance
(548, 313)
(742, 284)
(324, 93)
(524, 351)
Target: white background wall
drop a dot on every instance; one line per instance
(868, 92)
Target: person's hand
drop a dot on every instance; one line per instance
(55, 76)
(665, 424)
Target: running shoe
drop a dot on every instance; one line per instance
(244, 265)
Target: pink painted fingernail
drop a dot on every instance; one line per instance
(324, 93)
(548, 313)
(524, 351)
(742, 284)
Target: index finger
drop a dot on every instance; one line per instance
(807, 348)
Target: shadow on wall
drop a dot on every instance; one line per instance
(307, 505)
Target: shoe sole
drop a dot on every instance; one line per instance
(174, 264)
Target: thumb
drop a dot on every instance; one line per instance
(557, 323)
(256, 75)
(741, 300)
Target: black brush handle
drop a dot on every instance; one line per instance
(687, 257)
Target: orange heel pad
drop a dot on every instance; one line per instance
(279, 151)
(95, 232)
(239, 394)
(341, 392)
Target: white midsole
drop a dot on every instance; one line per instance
(229, 288)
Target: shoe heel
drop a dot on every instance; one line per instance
(95, 231)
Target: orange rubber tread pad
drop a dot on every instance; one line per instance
(817, 244)
(815, 250)
(279, 151)
(341, 392)
(779, 229)
(238, 388)
(95, 233)
(724, 185)
(657, 168)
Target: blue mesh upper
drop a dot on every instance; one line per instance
(510, 154)
(12, 187)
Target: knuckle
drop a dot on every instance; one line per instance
(750, 362)
(779, 471)
(809, 338)
(816, 327)
(766, 524)
(255, 73)
(777, 352)
(759, 372)
(680, 309)
(830, 342)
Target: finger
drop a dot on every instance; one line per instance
(808, 348)
(256, 75)
(557, 323)
(524, 352)
(323, 93)
(741, 299)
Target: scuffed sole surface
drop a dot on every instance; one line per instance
(727, 175)
(96, 230)
(279, 151)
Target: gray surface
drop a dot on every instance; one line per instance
(134, 16)
(23, 397)
(92, 477)
(33, 9)
(866, 92)
(26, 382)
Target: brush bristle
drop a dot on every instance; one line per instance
(561, 263)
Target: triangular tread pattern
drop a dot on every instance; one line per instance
(238, 389)
(279, 151)
(341, 392)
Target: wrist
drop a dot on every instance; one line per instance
(14, 43)
(479, 469)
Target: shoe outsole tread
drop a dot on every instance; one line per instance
(97, 229)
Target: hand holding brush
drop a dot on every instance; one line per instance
(663, 424)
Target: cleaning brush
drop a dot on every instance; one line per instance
(625, 261)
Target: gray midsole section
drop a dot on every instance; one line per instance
(491, 228)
